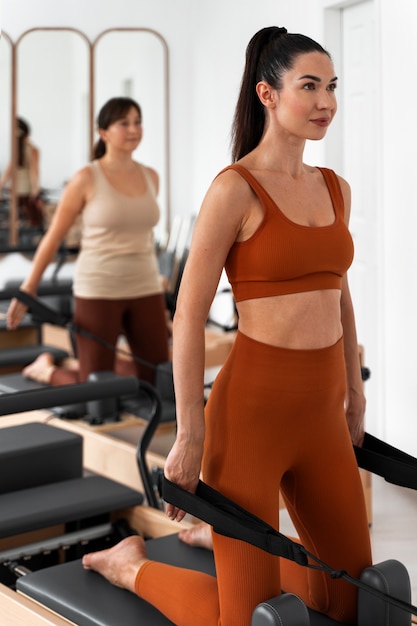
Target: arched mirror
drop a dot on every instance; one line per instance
(53, 97)
(134, 63)
(6, 84)
(57, 80)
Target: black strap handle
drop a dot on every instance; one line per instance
(231, 520)
(41, 311)
(396, 466)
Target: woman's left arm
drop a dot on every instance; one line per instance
(355, 397)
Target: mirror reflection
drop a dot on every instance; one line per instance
(5, 133)
(53, 93)
(133, 63)
(51, 89)
(57, 86)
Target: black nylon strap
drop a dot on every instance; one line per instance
(43, 312)
(229, 519)
(380, 458)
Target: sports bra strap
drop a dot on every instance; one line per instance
(331, 178)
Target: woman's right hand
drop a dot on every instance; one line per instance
(182, 467)
(16, 311)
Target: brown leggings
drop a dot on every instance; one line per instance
(143, 322)
(29, 208)
(275, 420)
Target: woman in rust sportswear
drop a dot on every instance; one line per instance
(116, 285)
(288, 403)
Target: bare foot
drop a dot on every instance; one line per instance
(71, 365)
(199, 536)
(119, 564)
(41, 369)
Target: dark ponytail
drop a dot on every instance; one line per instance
(114, 109)
(270, 53)
(23, 131)
(99, 149)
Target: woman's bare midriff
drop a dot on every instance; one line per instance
(300, 321)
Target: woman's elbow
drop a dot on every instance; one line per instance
(188, 315)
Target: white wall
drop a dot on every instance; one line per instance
(221, 33)
(398, 49)
(57, 117)
(207, 41)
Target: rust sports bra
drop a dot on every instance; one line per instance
(283, 257)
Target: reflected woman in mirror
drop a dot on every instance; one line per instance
(117, 287)
(27, 176)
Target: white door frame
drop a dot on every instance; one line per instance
(332, 13)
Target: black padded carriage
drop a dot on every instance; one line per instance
(87, 599)
(71, 591)
(42, 482)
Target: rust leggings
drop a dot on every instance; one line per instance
(275, 419)
(141, 319)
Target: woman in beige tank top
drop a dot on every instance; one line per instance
(117, 286)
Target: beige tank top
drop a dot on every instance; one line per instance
(117, 257)
(23, 184)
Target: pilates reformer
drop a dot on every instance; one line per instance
(48, 507)
(87, 599)
(29, 501)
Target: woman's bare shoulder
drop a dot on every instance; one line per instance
(82, 177)
(231, 202)
(231, 185)
(80, 186)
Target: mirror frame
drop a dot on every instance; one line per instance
(13, 150)
(13, 222)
